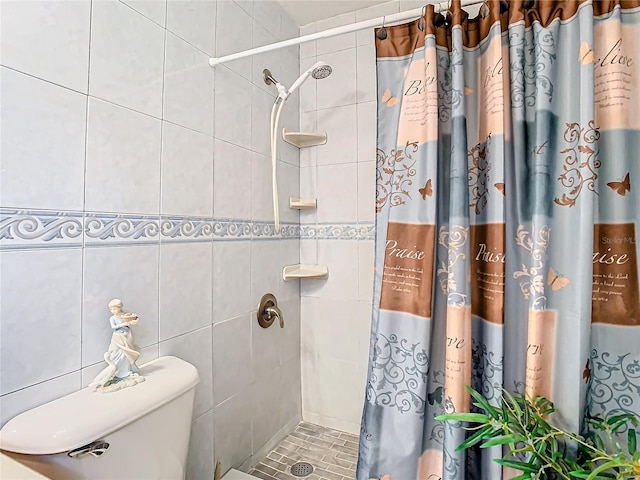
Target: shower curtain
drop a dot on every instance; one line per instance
(508, 167)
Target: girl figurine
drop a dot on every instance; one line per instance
(122, 354)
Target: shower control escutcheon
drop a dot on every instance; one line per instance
(268, 311)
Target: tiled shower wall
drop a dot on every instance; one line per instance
(336, 313)
(131, 169)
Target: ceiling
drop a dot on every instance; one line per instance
(303, 12)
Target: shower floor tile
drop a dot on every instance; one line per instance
(332, 453)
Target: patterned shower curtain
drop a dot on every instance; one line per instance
(508, 168)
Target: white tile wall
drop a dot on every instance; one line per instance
(231, 292)
(20, 401)
(338, 42)
(126, 61)
(200, 462)
(47, 40)
(233, 107)
(267, 13)
(41, 295)
(336, 313)
(366, 73)
(337, 193)
(233, 430)
(187, 172)
(234, 33)
(308, 93)
(340, 87)
(261, 188)
(367, 131)
(194, 21)
(365, 270)
(308, 49)
(232, 348)
(185, 288)
(123, 160)
(288, 186)
(41, 121)
(232, 180)
(261, 106)
(340, 124)
(155, 10)
(188, 86)
(109, 89)
(340, 256)
(269, 60)
(196, 348)
(266, 270)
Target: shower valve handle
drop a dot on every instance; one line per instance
(268, 311)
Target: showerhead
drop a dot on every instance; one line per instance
(319, 70)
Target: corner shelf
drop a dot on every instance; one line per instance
(293, 272)
(304, 139)
(303, 203)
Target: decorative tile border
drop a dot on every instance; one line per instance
(346, 231)
(107, 229)
(28, 229)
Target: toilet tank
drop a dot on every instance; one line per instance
(140, 432)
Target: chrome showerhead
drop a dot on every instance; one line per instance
(321, 71)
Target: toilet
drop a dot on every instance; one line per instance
(140, 432)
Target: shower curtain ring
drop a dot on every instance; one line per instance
(484, 10)
(382, 33)
(422, 22)
(448, 16)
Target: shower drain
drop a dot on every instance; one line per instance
(301, 469)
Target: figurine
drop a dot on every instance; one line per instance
(121, 357)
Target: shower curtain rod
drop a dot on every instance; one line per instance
(375, 22)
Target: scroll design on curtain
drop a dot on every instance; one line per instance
(532, 284)
(485, 365)
(399, 374)
(394, 172)
(453, 240)
(614, 384)
(449, 98)
(531, 56)
(580, 162)
(479, 175)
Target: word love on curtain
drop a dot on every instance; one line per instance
(508, 181)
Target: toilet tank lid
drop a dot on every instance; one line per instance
(84, 416)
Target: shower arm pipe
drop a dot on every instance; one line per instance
(332, 32)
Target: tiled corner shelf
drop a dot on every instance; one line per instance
(304, 139)
(294, 272)
(303, 203)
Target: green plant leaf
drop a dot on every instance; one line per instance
(501, 440)
(521, 466)
(513, 402)
(482, 402)
(596, 474)
(582, 474)
(632, 443)
(585, 474)
(484, 432)
(524, 476)
(464, 417)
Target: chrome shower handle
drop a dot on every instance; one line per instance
(275, 311)
(268, 311)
